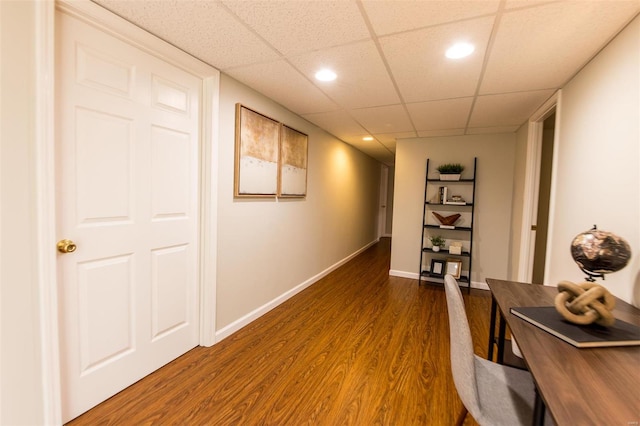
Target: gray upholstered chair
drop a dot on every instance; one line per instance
(493, 394)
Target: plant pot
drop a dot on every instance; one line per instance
(449, 176)
(436, 248)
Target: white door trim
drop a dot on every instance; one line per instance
(45, 211)
(208, 207)
(101, 18)
(532, 181)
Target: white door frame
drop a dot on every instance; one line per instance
(531, 185)
(106, 21)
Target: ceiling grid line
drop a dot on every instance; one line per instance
(485, 60)
(387, 67)
(393, 79)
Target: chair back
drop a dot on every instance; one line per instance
(462, 355)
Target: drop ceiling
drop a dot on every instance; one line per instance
(393, 80)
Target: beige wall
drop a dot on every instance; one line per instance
(267, 247)
(598, 156)
(496, 156)
(22, 397)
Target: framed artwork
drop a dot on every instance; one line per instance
(292, 180)
(454, 267)
(257, 154)
(437, 268)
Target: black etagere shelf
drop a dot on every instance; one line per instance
(464, 233)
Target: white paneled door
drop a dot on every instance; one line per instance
(127, 139)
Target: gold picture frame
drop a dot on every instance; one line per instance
(454, 268)
(292, 169)
(257, 153)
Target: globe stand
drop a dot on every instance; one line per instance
(591, 276)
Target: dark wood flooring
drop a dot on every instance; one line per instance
(357, 348)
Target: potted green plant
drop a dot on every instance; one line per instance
(437, 242)
(450, 171)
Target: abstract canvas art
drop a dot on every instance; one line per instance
(293, 163)
(257, 154)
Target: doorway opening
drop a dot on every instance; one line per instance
(536, 228)
(541, 226)
(385, 201)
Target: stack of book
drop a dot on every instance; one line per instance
(444, 199)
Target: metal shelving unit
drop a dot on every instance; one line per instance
(464, 233)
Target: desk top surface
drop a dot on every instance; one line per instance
(585, 386)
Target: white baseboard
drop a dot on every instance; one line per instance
(403, 274)
(227, 331)
(414, 276)
(479, 285)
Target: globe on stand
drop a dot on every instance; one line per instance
(597, 253)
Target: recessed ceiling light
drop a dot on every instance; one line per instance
(367, 138)
(326, 75)
(460, 50)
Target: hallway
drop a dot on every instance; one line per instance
(357, 348)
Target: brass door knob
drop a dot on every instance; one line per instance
(66, 246)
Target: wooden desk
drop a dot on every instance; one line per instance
(588, 386)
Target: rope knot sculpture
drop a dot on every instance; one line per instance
(585, 303)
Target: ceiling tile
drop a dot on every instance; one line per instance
(362, 81)
(374, 149)
(285, 86)
(440, 133)
(203, 29)
(391, 145)
(301, 26)
(492, 130)
(368, 146)
(338, 123)
(438, 115)
(386, 119)
(420, 68)
(389, 139)
(356, 140)
(543, 47)
(517, 4)
(395, 83)
(415, 14)
(506, 110)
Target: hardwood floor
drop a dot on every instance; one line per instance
(357, 348)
